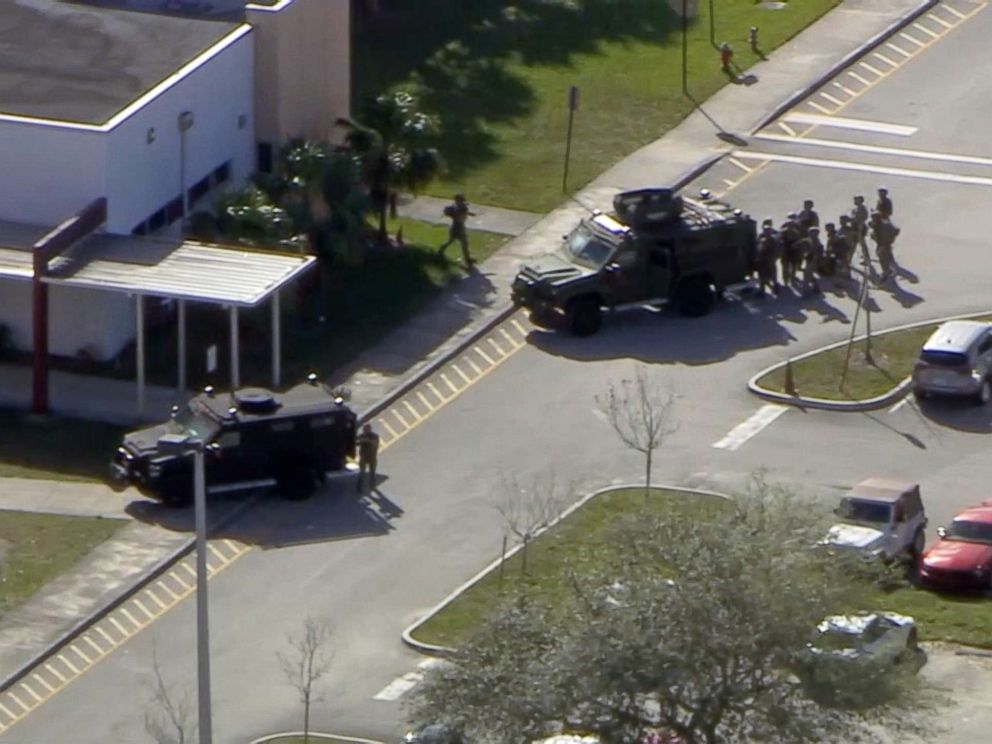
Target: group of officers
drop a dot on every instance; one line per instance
(803, 255)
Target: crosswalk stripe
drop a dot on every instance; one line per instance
(925, 30)
(912, 39)
(787, 129)
(879, 149)
(841, 122)
(873, 70)
(897, 50)
(885, 59)
(844, 88)
(954, 11)
(818, 107)
(832, 99)
(859, 78)
(940, 20)
(756, 423)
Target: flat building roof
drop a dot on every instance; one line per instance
(68, 62)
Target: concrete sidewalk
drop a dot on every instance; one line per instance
(463, 311)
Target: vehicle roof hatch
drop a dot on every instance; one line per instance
(255, 400)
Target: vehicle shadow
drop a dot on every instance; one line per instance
(264, 519)
(959, 414)
(660, 337)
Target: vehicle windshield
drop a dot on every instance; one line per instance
(196, 423)
(865, 511)
(837, 641)
(970, 531)
(587, 248)
(944, 358)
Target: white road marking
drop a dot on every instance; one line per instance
(958, 13)
(841, 122)
(856, 76)
(845, 89)
(739, 164)
(940, 20)
(864, 168)
(912, 39)
(832, 99)
(901, 152)
(925, 30)
(754, 425)
(787, 129)
(898, 50)
(871, 69)
(730, 184)
(885, 59)
(399, 687)
(899, 405)
(822, 109)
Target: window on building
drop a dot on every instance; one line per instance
(265, 157)
(199, 190)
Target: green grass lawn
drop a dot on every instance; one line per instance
(55, 447)
(587, 537)
(498, 75)
(39, 547)
(819, 376)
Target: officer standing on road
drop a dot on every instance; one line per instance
(769, 249)
(791, 253)
(859, 218)
(813, 261)
(884, 204)
(884, 233)
(838, 250)
(368, 456)
(808, 217)
(459, 213)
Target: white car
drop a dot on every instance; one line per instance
(881, 517)
(878, 637)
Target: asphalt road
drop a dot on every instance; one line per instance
(370, 574)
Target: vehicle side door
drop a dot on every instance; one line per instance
(984, 355)
(660, 269)
(225, 461)
(625, 275)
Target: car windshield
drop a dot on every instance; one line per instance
(865, 511)
(970, 531)
(196, 423)
(587, 248)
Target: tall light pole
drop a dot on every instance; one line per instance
(185, 123)
(191, 445)
(685, 47)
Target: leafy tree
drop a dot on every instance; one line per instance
(391, 143)
(249, 217)
(700, 631)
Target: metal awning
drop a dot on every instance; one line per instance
(179, 269)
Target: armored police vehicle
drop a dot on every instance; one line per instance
(251, 437)
(658, 248)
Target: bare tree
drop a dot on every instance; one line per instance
(173, 717)
(528, 510)
(701, 631)
(641, 413)
(304, 663)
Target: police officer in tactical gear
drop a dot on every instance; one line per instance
(859, 218)
(884, 204)
(769, 250)
(368, 455)
(838, 251)
(808, 217)
(792, 254)
(813, 261)
(884, 234)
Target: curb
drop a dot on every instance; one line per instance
(118, 599)
(847, 60)
(490, 323)
(431, 649)
(853, 406)
(316, 735)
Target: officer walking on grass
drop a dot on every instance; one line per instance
(368, 455)
(459, 213)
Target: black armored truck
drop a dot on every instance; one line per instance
(658, 248)
(251, 437)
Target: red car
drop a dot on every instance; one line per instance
(962, 558)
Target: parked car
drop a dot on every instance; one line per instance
(956, 361)
(962, 558)
(877, 637)
(436, 733)
(881, 517)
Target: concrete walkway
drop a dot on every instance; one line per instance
(490, 219)
(461, 312)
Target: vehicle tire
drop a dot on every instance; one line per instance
(695, 298)
(297, 483)
(175, 494)
(583, 316)
(920, 394)
(919, 542)
(984, 393)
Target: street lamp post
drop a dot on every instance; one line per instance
(187, 445)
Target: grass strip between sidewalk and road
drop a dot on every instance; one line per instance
(586, 538)
(498, 74)
(37, 548)
(893, 355)
(55, 447)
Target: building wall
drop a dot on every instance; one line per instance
(144, 170)
(303, 68)
(47, 173)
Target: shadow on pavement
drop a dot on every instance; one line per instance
(335, 512)
(658, 337)
(959, 414)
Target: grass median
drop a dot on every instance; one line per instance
(37, 548)
(586, 537)
(892, 356)
(498, 75)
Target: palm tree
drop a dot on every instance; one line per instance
(391, 146)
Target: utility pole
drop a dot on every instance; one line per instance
(573, 105)
(685, 47)
(205, 726)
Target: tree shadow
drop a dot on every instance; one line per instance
(459, 56)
